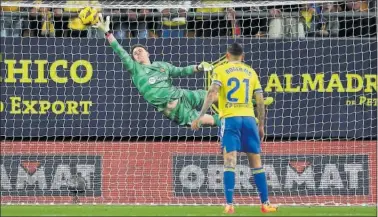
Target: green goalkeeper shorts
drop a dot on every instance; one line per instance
(186, 109)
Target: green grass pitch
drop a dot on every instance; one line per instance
(118, 210)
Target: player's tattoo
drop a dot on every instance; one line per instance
(211, 97)
(230, 160)
(260, 108)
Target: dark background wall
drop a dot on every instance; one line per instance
(119, 111)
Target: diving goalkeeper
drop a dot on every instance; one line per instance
(154, 81)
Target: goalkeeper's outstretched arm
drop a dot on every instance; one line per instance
(118, 49)
(181, 71)
(188, 70)
(122, 53)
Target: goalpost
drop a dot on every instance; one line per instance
(69, 109)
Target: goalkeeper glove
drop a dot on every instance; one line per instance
(205, 67)
(101, 25)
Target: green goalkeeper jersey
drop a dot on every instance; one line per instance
(154, 82)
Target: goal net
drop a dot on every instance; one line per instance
(74, 128)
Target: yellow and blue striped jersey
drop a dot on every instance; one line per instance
(238, 82)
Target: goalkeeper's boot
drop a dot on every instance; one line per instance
(267, 207)
(229, 209)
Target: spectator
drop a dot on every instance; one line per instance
(329, 26)
(215, 26)
(252, 25)
(357, 26)
(136, 24)
(75, 26)
(309, 17)
(281, 26)
(173, 21)
(11, 25)
(39, 22)
(60, 22)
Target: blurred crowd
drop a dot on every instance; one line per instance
(306, 20)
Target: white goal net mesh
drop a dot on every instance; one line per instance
(74, 128)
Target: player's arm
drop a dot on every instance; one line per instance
(212, 93)
(181, 71)
(189, 70)
(260, 107)
(122, 53)
(211, 97)
(117, 48)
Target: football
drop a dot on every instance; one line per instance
(89, 16)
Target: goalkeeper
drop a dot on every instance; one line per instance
(154, 81)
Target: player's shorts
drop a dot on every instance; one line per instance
(240, 134)
(186, 109)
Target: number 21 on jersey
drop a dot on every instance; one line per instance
(238, 90)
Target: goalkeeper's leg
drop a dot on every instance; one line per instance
(195, 98)
(184, 114)
(186, 110)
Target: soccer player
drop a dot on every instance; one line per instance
(154, 81)
(236, 83)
